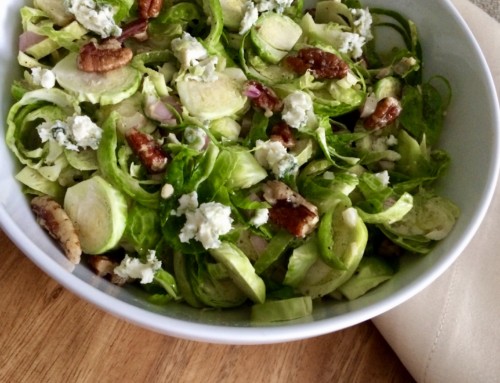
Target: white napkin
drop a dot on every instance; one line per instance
(451, 331)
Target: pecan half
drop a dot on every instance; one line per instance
(322, 65)
(283, 133)
(103, 57)
(136, 29)
(386, 112)
(290, 210)
(148, 150)
(263, 97)
(52, 217)
(150, 8)
(103, 266)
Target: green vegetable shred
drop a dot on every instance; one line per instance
(228, 153)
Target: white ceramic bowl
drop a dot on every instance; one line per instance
(471, 136)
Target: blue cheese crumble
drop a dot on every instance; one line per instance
(194, 58)
(249, 18)
(94, 17)
(297, 109)
(43, 77)
(274, 156)
(254, 8)
(204, 223)
(133, 268)
(74, 133)
(196, 138)
(260, 218)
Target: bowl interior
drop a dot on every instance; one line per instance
(470, 136)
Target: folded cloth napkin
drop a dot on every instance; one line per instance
(450, 332)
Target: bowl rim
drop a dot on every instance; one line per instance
(269, 334)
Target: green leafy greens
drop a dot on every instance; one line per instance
(245, 176)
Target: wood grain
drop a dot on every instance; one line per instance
(50, 335)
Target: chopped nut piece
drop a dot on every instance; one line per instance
(136, 29)
(263, 97)
(150, 8)
(108, 55)
(148, 150)
(296, 219)
(386, 112)
(52, 217)
(290, 210)
(323, 65)
(103, 266)
(283, 133)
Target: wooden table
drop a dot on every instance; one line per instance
(50, 335)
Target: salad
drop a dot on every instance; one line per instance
(228, 153)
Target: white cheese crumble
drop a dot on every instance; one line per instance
(392, 140)
(204, 223)
(253, 8)
(94, 17)
(383, 143)
(195, 138)
(74, 133)
(249, 18)
(84, 132)
(383, 177)
(205, 71)
(273, 155)
(187, 202)
(135, 269)
(194, 58)
(350, 216)
(55, 131)
(277, 6)
(297, 109)
(260, 218)
(167, 191)
(352, 43)
(363, 22)
(188, 50)
(43, 77)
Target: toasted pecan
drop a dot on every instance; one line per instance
(104, 56)
(283, 133)
(386, 112)
(322, 65)
(52, 217)
(104, 266)
(150, 8)
(290, 210)
(263, 97)
(150, 153)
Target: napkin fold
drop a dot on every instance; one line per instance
(450, 332)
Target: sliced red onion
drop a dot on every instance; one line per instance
(173, 102)
(158, 111)
(252, 91)
(28, 39)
